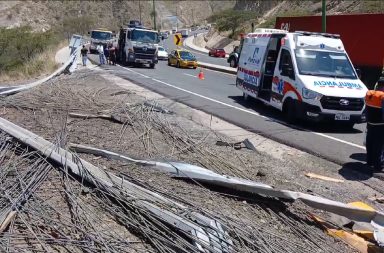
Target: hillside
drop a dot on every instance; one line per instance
(231, 22)
(43, 15)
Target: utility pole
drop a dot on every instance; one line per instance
(154, 15)
(193, 18)
(140, 11)
(324, 16)
(177, 20)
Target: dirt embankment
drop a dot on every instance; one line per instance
(150, 134)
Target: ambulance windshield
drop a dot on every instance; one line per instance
(323, 63)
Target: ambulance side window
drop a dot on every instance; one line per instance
(286, 65)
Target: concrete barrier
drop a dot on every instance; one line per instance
(224, 69)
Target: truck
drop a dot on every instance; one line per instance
(137, 46)
(184, 33)
(362, 35)
(303, 74)
(100, 37)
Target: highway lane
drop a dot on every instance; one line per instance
(355, 136)
(203, 57)
(218, 95)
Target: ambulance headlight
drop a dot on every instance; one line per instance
(310, 94)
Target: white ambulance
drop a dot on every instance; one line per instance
(306, 75)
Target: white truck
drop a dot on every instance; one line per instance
(138, 46)
(100, 37)
(184, 33)
(306, 75)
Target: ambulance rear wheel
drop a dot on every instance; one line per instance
(289, 111)
(232, 63)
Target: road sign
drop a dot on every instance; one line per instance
(177, 39)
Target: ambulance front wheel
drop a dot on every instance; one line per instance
(289, 110)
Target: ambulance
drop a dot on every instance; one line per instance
(305, 75)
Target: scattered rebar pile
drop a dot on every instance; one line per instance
(64, 214)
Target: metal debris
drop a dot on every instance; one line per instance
(189, 171)
(237, 145)
(206, 234)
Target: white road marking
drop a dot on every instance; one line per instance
(189, 75)
(250, 112)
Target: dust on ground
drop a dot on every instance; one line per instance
(267, 224)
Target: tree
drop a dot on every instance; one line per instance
(231, 20)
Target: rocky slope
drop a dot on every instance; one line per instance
(267, 11)
(42, 15)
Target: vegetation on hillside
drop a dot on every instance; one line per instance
(25, 53)
(20, 49)
(231, 20)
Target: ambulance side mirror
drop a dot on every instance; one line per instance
(286, 70)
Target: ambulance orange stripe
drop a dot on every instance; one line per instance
(289, 87)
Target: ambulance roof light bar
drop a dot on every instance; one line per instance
(328, 35)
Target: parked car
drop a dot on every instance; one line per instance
(217, 52)
(164, 35)
(162, 54)
(182, 58)
(233, 58)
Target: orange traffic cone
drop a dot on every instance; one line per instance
(201, 74)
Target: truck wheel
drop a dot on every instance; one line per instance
(246, 97)
(232, 63)
(169, 62)
(124, 59)
(152, 65)
(178, 64)
(289, 111)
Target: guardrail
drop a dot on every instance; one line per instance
(68, 66)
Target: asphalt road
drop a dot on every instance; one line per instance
(218, 95)
(202, 57)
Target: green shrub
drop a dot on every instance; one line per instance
(18, 46)
(231, 20)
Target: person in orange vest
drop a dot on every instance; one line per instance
(374, 101)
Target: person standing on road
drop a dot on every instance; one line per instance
(106, 54)
(100, 49)
(84, 53)
(112, 55)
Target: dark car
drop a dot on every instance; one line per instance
(233, 58)
(217, 52)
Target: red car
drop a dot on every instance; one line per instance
(217, 52)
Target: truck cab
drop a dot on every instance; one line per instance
(306, 75)
(100, 37)
(138, 46)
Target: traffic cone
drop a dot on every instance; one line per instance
(201, 74)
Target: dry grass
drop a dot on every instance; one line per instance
(39, 66)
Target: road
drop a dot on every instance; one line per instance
(218, 95)
(203, 57)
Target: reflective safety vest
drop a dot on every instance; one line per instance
(374, 101)
(374, 98)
